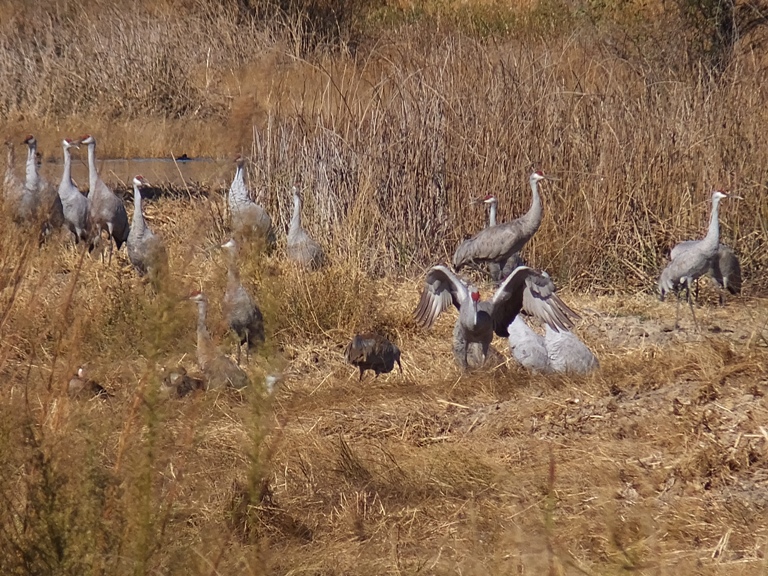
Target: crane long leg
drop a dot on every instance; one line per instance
(677, 311)
(690, 304)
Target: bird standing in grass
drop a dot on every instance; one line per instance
(497, 271)
(372, 352)
(74, 204)
(692, 260)
(242, 314)
(248, 218)
(80, 386)
(146, 250)
(301, 248)
(107, 211)
(497, 244)
(219, 371)
(524, 289)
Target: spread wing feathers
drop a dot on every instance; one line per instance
(365, 347)
(490, 244)
(441, 288)
(529, 290)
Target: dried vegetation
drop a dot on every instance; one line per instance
(654, 464)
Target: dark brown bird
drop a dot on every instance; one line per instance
(372, 352)
(178, 383)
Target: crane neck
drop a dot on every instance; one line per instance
(66, 175)
(137, 222)
(712, 239)
(296, 219)
(237, 192)
(468, 313)
(205, 349)
(233, 272)
(533, 217)
(92, 174)
(31, 173)
(492, 215)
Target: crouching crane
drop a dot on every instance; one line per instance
(554, 352)
(524, 289)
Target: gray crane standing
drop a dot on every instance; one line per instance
(499, 243)
(693, 260)
(74, 204)
(724, 268)
(556, 351)
(146, 250)
(219, 370)
(524, 289)
(107, 211)
(44, 192)
(300, 247)
(248, 218)
(372, 352)
(242, 314)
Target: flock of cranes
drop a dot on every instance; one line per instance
(521, 290)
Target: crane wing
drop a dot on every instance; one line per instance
(529, 290)
(441, 288)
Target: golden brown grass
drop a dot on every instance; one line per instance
(655, 464)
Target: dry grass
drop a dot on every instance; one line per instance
(655, 464)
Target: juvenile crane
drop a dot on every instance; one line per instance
(219, 370)
(499, 243)
(146, 250)
(107, 211)
(247, 216)
(524, 289)
(74, 204)
(301, 248)
(372, 352)
(560, 351)
(693, 260)
(242, 314)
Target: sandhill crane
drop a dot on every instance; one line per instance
(219, 370)
(372, 352)
(146, 250)
(498, 243)
(300, 247)
(74, 204)
(107, 211)
(692, 260)
(556, 351)
(247, 216)
(524, 289)
(242, 314)
(44, 192)
(80, 386)
(724, 268)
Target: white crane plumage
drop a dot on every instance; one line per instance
(248, 217)
(692, 260)
(300, 247)
(500, 242)
(74, 203)
(107, 211)
(557, 351)
(524, 289)
(146, 250)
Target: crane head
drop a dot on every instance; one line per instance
(238, 159)
(490, 199)
(197, 296)
(67, 143)
(87, 139)
(29, 140)
(475, 294)
(140, 181)
(720, 194)
(231, 244)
